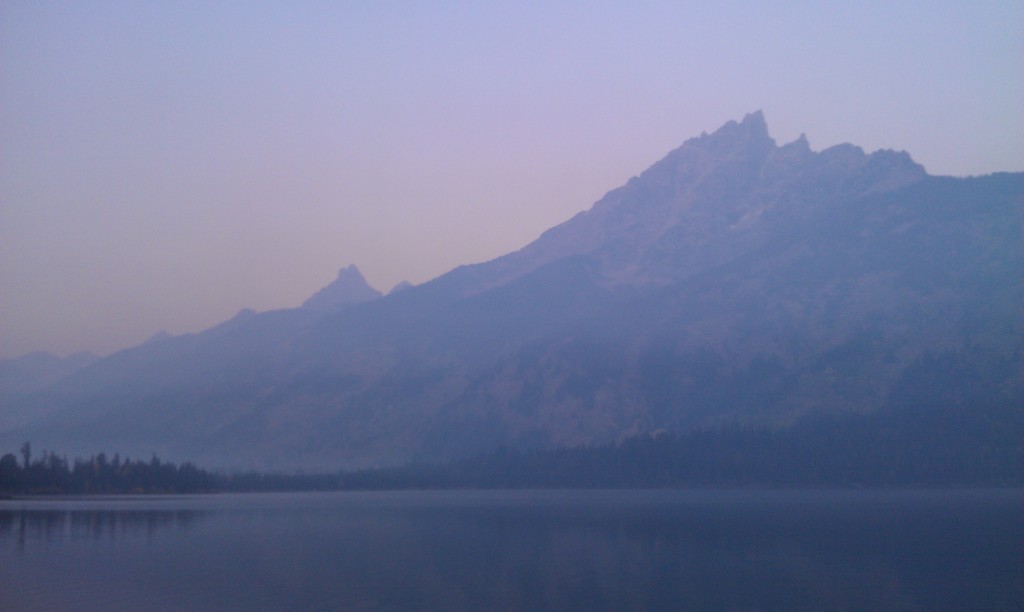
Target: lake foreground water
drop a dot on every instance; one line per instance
(517, 550)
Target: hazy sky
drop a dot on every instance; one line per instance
(164, 164)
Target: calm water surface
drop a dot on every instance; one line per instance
(517, 550)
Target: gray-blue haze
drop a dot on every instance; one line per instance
(165, 164)
(733, 281)
(527, 550)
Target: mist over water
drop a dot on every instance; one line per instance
(517, 550)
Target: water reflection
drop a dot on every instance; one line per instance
(46, 526)
(520, 550)
(720, 552)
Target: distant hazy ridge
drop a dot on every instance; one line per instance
(735, 282)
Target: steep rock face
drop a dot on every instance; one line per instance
(349, 288)
(734, 281)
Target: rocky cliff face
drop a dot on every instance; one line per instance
(734, 281)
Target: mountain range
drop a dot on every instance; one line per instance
(734, 283)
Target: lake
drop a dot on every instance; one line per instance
(517, 550)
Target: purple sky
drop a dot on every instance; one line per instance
(164, 164)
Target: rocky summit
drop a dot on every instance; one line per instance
(349, 288)
(734, 283)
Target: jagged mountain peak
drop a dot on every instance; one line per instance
(348, 288)
(755, 120)
(753, 127)
(800, 144)
(735, 281)
(744, 139)
(684, 211)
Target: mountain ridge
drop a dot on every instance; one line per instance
(348, 288)
(680, 180)
(732, 282)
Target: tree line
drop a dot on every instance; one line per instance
(50, 473)
(927, 445)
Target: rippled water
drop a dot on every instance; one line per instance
(524, 550)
